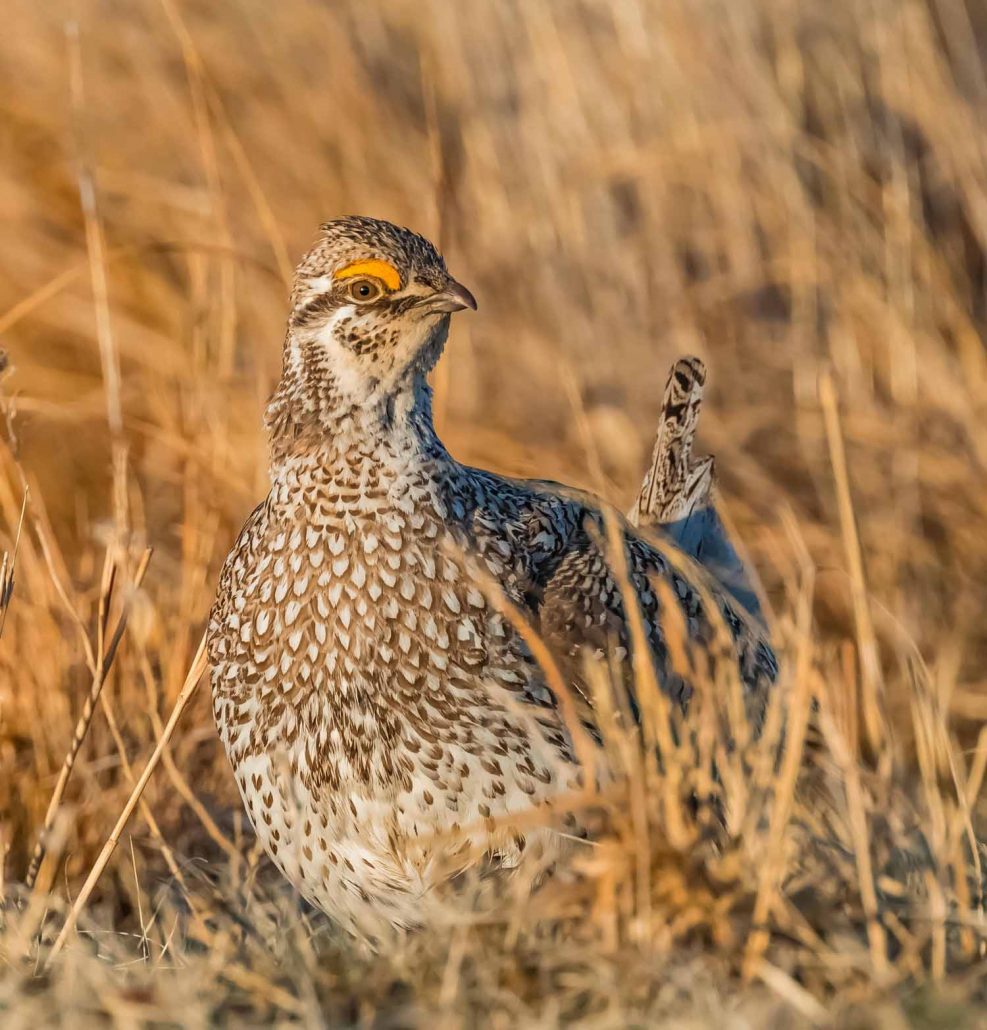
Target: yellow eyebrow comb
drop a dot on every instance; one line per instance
(382, 270)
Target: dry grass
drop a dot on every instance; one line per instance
(798, 193)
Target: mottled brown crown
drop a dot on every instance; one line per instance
(358, 236)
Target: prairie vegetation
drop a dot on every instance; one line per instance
(797, 193)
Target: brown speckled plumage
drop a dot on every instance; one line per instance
(372, 702)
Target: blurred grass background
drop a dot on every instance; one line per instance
(778, 187)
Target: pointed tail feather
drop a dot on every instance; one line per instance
(676, 496)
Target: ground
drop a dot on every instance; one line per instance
(794, 193)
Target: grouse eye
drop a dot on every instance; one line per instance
(365, 290)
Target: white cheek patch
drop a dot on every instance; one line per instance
(325, 335)
(360, 377)
(347, 311)
(350, 378)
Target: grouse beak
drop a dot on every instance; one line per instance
(455, 297)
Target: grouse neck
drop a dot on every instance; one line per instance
(327, 428)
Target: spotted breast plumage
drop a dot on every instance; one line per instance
(383, 718)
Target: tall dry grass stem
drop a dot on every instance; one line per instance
(196, 670)
(103, 661)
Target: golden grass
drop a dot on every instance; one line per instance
(796, 194)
